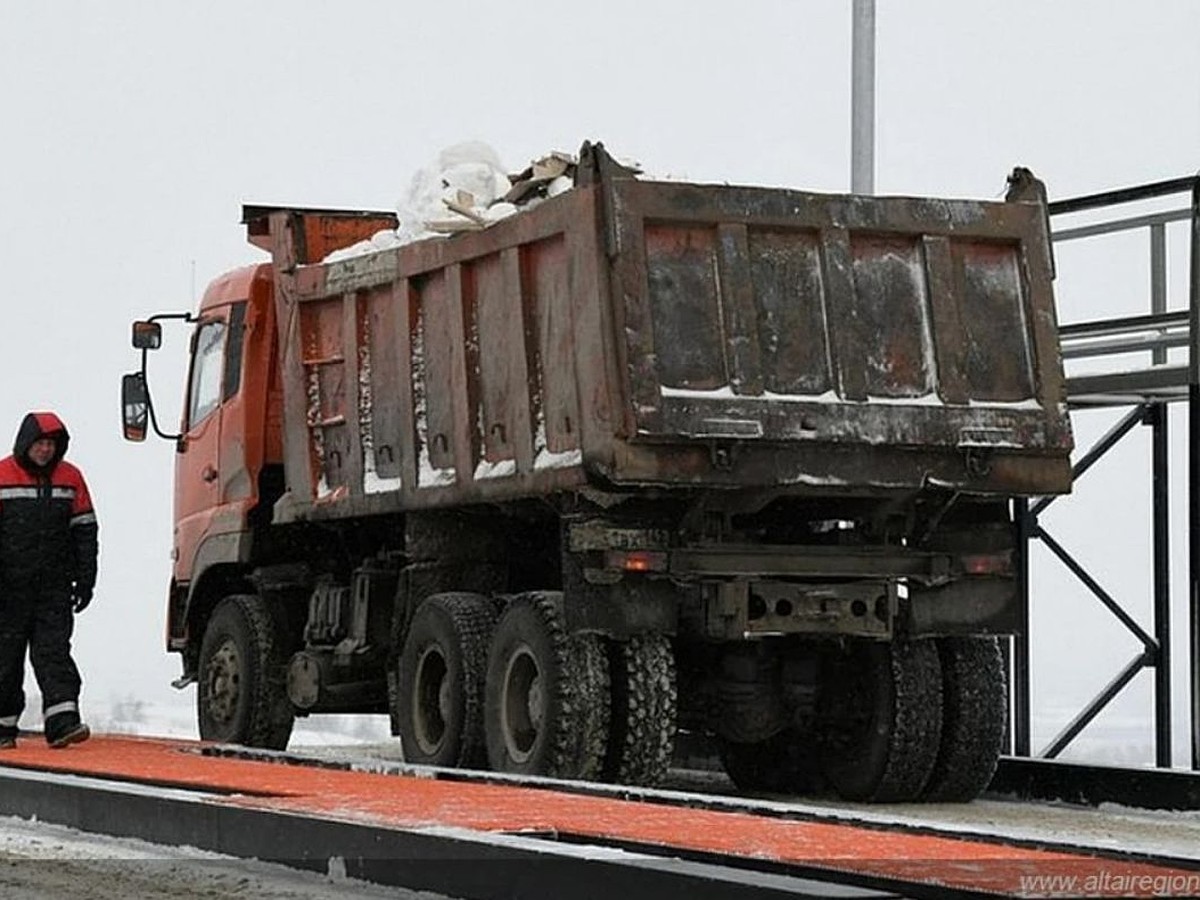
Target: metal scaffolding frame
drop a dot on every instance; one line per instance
(1146, 392)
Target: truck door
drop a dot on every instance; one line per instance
(197, 469)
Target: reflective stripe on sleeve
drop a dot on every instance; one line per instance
(87, 518)
(31, 493)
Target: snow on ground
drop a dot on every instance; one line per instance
(176, 718)
(40, 861)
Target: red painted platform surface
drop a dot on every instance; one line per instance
(412, 803)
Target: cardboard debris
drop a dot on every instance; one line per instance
(540, 180)
(550, 167)
(532, 181)
(466, 208)
(453, 226)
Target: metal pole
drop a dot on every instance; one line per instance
(1162, 586)
(1019, 691)
(1194, 473)
(862, 99)
(1160, 490)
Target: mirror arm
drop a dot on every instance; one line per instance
(187, 318)
(178, 438)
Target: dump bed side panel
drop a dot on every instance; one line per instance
(446, 371)
(769, 316)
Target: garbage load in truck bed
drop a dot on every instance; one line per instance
(648, 456)
(652, 333)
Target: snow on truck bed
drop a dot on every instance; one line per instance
(466, 188)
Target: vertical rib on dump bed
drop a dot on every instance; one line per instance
(677, 334)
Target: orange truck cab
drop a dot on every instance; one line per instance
(229, 464)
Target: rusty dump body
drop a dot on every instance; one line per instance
(633, 334)
(647, 455)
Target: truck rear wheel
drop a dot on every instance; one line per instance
(642, 733)
(241, 697)
(881, 708)
(441, 673)
(782, 764)
(547, 709)
(974, 714)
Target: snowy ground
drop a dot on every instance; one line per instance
(40, 861)
(176, 718)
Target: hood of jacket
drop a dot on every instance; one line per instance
(38, 425)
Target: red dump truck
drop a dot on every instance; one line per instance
(649, 457)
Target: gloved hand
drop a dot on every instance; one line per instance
(81, 596)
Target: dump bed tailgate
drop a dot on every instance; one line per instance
(769, 315)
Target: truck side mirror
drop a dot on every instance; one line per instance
(135, 404)
(147, 335)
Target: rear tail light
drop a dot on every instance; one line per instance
(988, 563)
(636, 560)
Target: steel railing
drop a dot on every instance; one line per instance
(1146, 389)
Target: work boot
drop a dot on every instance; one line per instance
(76, 735)
(64, 729)
(7, 743)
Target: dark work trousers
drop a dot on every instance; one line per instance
(40, 618)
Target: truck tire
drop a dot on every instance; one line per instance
(547, 706)
(642, 731)
(241, 695)
(974, 716)
(881, 708)
(441, 671)
(783, 764)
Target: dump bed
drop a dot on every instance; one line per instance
(634, 333)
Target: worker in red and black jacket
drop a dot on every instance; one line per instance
(48, 550)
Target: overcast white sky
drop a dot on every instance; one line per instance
(134, 131)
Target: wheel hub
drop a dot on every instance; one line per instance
(523, 703)
(224, 683)
(431, 700)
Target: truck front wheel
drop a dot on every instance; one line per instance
(441, 679)
(547, 695)
(241, 697)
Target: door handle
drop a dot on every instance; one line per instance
(209, 473)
